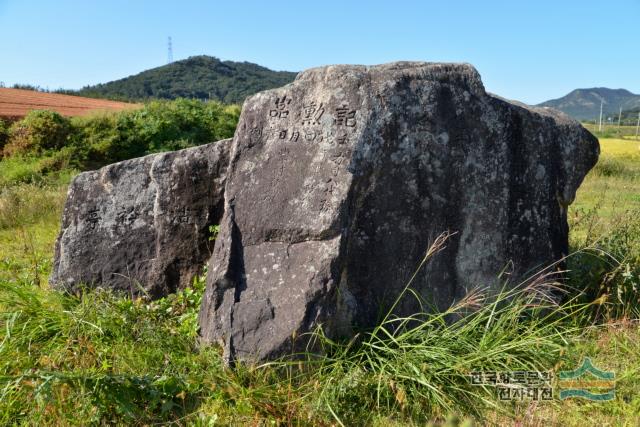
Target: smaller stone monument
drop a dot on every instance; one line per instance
(142, 225)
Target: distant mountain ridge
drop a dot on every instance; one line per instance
(202, 77)
(584, 104)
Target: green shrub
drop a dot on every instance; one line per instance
(93, 141)
(39, 131)
(183, 123)
(98, 139)
(611, 166)
(52, 168)
(4, 135)
(18, 169)
(158, 126)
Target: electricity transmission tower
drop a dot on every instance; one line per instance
(169, 51)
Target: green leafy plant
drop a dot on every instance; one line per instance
(4, 135)
(606, 268)
(213, 231)
(39, 131)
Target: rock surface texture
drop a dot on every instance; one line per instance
(142, 225)
(339, 182)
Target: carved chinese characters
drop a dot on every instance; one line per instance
(281, 109)
(312, 114)
(304, 122)
(345, 116)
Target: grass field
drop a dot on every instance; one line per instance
(612, 131)
(613, 187)
(104, 360)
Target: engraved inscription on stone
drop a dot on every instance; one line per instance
(281, 109)
(312, 135)
(126, 216)
(345, 116)
(181, 216)
(340, 137)
(187, 215)
(92, 218)
(312, 113)
(269, 132)
(255, 134)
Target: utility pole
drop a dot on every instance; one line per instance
(600, 125)
(619, 117)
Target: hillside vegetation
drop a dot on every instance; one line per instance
(199, 77)
(45, 143)
(100, 359)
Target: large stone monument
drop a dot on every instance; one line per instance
(142, 226)
(339, 182)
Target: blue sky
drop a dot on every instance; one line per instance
(526, 50)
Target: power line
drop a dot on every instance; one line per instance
(169, 51)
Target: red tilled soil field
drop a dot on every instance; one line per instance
(16, 103)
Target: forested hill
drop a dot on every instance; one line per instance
(201, 77)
